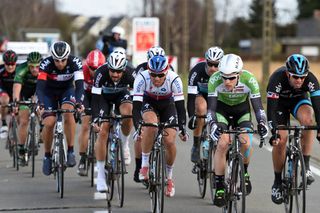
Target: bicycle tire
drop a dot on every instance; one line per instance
(158, 181)
(91, 158)
(61, 165)
(299, 185)
(119, 172)
(202, 177)
(32, 146)
(109, 174)
(211, 171)
(15, 140)
(237, 191)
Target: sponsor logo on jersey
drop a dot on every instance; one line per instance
(44, 64)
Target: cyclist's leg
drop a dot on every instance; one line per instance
(147, 137)
(23, 130)
(126, 109)
(83, 140)
(4, 100)
(101, 153)
(201, 109)
(304, 115)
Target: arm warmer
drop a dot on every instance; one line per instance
(136, 112)
(181, 111)
(79, 91)
(191, 104)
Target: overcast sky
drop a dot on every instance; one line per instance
(287, 9)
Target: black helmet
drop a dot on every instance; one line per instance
(297, 64)
(60, 50)
(10, 57)
(34, 58)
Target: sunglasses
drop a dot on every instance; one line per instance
(154, 75)
(210, 64)
(60, 60)
(230, 78)
(116, 71)
(302, 77)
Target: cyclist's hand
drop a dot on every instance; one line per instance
(95, 125)
(79, 107)
(183, 134)
(192, 124)
(215, 132)
(263, 130)
(40, 109)
(137, 135)
(274, 140)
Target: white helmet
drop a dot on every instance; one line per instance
(119, 49)
(230, 63)
(60, 50)
(155, 50)
(214, 54)
(118, 30)
(117, 60)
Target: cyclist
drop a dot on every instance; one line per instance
(94, 59)
(287, 93)
(55, 88)
(7, 72)
(229, 91)
(155, 50)
(111, 85)
(24, 88)
(158, 96)
(198, 95)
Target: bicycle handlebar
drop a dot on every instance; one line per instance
(297, 128)
(245, 131)
(60, 111)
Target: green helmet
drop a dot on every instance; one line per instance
(34, 58)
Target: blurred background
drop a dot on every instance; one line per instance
(262, 32)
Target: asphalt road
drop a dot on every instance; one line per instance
(19, 192)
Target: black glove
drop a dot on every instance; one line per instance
(273, 138)
(192, 124)
(263, 129)
(215, 132)
(182, 130)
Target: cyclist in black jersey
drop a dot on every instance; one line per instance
(24, 88)
(198, 95)
(59, 84)
(7, 72)
(112, 83)
(292, 89)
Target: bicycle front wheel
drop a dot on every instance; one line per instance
(299, 184)
(202, 177)
(211, 170)
(61, 166)
(15, 140)
(91, 158)
(157, 180)
(119, 173)
(237, 190)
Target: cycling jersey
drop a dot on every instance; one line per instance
(280, 93)
(106, 90)
(6, 81)
(246, 88)
(197, 85)
(51, 79)
(171, 91)
(29, 82)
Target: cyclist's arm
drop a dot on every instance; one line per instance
(78, 79)
(16, 91)
(96, 94)
(212, 99)
(41, 85)
(192, 92)
(258, 110)
(177, 89)
(139, 86)
(314, 89)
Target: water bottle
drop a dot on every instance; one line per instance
(205, 149)
(290, 168)
(112, 152)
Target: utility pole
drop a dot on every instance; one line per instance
(267, 40)
(209, 25)
(185, 37)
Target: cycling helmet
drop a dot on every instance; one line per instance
(230, 63)
(95, 59)
(10, 57)
(118, 30)
(119, 49)
(117, 60)
(297, 64)
(34, 58)
(155, 50)
(158, 64)
(214, 54)
(60, 50)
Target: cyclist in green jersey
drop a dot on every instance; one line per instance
(24, 88)
(229, 91)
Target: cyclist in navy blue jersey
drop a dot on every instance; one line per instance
(292, 89)
(55, 88)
